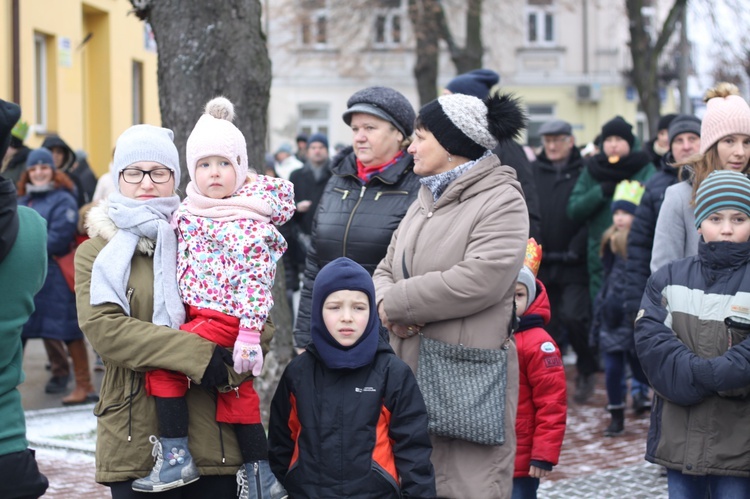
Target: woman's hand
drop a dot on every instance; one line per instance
(400, 330)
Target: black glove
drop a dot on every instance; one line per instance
(608, 188)
(216, 373)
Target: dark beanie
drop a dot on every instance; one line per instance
(40, 156)
(684, 123)
(665, 121)
(318, 137)
(386, 104)
(9, 116)
(619, 127)
(477, 83)
(722, 190)
(343, 274)
(467, 126)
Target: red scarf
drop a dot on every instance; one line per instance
(365, 173)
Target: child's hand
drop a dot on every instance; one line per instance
(247, 353)
(535, 472)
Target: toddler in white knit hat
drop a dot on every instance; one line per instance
(226, 265)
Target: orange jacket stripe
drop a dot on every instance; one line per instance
(383, 451)
(294, 429)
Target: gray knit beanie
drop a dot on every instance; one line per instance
(526, 277)
(385, 103)
(467, 126)
(683, 123)
(145, 143)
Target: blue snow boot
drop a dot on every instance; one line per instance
(256, 481)
(174, 468)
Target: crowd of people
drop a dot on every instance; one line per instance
(443, 273)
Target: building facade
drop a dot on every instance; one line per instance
(84, 69)
(565, 59)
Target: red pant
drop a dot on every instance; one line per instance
(241, 405)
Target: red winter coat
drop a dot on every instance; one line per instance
(542, 398)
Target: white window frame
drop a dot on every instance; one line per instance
(320, 124)
(541, 12)
(41, 83)
(389, 15)
(313, 16)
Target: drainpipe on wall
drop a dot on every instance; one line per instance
(16, 50)
(585, 11)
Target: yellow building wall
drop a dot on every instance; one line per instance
(90, 84)
(587, 118)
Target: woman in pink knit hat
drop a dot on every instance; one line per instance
(725, 145)
(228, 247)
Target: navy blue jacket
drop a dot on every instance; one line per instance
(350, 432)
(612, 331)
(55, 315)
(641, 237)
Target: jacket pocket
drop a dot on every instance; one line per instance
(344, 192)
(383, 480)
(390, 193)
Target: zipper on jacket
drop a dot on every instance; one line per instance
(129, 294)
(351, 217)
(256, 470)
(386, 193)
(344, 193)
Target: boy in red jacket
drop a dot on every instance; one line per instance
(542, 399)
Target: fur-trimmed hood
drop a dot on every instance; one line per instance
(98, 223)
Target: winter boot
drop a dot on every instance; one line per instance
(172, 470)
(58, 360)
(617, 425)
(84, 391)
(256, 481)
(585, 384)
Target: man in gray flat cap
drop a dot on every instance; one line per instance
(563, 269)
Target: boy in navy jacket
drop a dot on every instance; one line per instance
(348, 419)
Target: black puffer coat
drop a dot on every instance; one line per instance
(641, 236)
(355, 221)
(512, 154)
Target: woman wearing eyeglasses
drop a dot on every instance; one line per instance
(130, 309)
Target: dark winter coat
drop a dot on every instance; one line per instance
(16, 165)
(542, 398)
(589, 204)
(512, 154)
(350, 432)
(564, 239)
(55, 315)
(355, 221)
(697, 364)
(614, 329)
(308, 188)
(82, 176)
(641, 237)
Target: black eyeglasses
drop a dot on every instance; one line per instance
(157, 175)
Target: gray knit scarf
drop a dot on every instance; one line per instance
(111, 271)
(439, 182)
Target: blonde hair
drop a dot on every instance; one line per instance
(616, 239)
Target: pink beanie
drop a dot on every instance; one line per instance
(215, 135)
(725, 115)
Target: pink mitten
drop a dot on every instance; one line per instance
(247, 354)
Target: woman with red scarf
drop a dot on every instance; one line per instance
(372, 186)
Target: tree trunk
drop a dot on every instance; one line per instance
(470, 57)
(205, 50)
(645, 54)
(424, 16)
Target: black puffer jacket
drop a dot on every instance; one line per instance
(355, 221)
(641, 236)
(565, 240)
